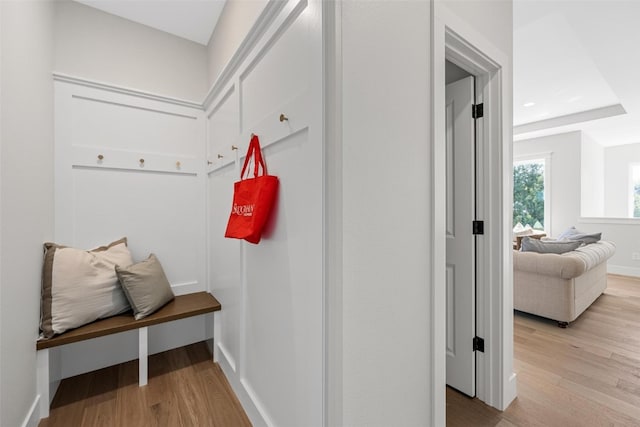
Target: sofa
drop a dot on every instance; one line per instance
(560, 286)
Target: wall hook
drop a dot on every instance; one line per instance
(141, 162)
(100, 157)
(233, 147)
(178, 165)
(220, 156)
(283, 117)
(209, 162)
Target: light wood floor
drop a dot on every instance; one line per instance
(582, 376)
(185, 389)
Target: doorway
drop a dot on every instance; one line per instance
(461, 342)
(494, 376)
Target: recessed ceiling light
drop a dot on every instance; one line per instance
(529, 104)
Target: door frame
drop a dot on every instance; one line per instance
(495, 379)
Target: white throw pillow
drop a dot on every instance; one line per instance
(81, 286)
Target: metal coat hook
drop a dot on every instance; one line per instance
(141, 162)
(209, 162)
(283, 118)
(100, 157)
(178, 164)
(233, 147)
(220, 156)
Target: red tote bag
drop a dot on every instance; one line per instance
(253, 198)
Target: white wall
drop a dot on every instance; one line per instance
(99, 46)
(566, 161)
(625, 233)
(386, 173)
(386, 177)
(237, 18)
(617, 164)
(593, 177)
(26, 194)
(490, 18)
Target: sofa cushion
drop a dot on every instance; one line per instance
(574, 234)
(548, 246)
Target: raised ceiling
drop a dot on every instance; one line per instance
(575, 68)
(190, 19)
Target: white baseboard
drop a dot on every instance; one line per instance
(623, 270)
(510, 392)
(246, 400)
(33, 416)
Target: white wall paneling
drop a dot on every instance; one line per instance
(270, 343)
(127, 164)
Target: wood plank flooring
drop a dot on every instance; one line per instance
(582, 376)
(185, 389)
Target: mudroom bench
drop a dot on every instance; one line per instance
(181, 307)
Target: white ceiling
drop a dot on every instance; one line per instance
(577, 62)
(190, 19)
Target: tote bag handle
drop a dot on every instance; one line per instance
(255, 152)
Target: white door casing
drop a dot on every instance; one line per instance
(460, 269)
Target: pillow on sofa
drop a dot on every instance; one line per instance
(80, 286)
(145, 285)
(548, 246)
(573, 233)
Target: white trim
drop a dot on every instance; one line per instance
(534, 156)
(607, 220)
(61, 77)
(241, 393)
(546, 157)
(259, 406)
(623, 270)
(268, 15)
(333, 216)
(1, 210)
(570, 119)
(437, 332)
(32, 419)
(630, 191)
(496, 379)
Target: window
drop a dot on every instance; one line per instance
(529, 193)
(635, 190)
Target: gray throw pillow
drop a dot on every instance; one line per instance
(573, 233)
(548, 246)
(145, 285)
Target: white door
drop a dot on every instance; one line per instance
(460, 274)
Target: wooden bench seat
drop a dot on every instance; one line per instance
(183, 306)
